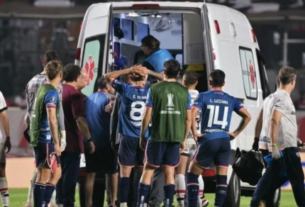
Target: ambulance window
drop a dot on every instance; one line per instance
(248, 72)
(262, 74)
(92, 60)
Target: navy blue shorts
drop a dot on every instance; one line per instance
(130, 153)
(102, 160)
(217, 150)
(43, 155)
(162, 153)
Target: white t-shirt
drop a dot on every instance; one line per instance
(190, 141)
(288, 129)
(3, 107)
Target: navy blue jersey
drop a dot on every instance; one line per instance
(216, 112)
(132, 108)
(98, 119)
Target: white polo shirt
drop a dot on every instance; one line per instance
(288, 129)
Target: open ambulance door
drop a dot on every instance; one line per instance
(93, 44)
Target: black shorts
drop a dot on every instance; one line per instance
(217, 150)
(44, 152)
(102, 160)
(130, 153)
(162, 153)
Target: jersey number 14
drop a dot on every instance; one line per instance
(214, 115)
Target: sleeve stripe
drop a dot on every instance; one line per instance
(3, 109)
(196, 106)
(148, 106)
(50, 106)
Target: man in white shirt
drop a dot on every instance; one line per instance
(279, 136)
(5, 145)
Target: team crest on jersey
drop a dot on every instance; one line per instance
(52, 99)
(170, 100)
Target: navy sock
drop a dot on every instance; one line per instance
(143, 194)
(38, 194)
(169, 191)
(48, 193)
(124, 186)
(192, 189)
(221, 189)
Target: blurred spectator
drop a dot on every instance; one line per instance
(301, 102)
(20, 100)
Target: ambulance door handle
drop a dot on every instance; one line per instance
(241, 100)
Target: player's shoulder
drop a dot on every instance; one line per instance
(281, 96)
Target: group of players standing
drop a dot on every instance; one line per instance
(157, 125)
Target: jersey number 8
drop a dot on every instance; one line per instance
(137, 110)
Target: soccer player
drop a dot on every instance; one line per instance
(5, 145)
(279, 131)
(76, 127)
(168, 108)
(31, 89)
(104, 158)
(45, 135)
(133, 98)
(189, 80)
(216, 109)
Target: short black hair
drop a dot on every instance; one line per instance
(218, 78)
(172, 68)
(102, 83)
(71, 72)
(50, 55)
(151, 42)
(191, 77)
(287, 75)
(53, 68)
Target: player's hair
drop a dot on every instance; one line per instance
(71, 72)
(50, 55)
(102, 83)
(218, 78)
(287, 75)
(151, 42)
(53, 68)
(191, 77)
(171, 68)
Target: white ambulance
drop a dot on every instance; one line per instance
(197, 34)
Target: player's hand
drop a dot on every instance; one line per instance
(232, 135)
(7, 144)
(108, 107)
(197, 136)
(57, 149)
(255, 144)
(275, 152)
(143, 142)
(92, 147)
(182, 146)
(63, 141)
(142, 71)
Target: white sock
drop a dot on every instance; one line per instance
(31, 188)
(53, 199)
(201, 186)
(180, 189)
(4, 192)
(123, 204)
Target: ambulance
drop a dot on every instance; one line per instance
(202, 37)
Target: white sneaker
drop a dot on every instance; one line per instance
(205, 203)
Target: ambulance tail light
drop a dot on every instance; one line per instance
(77, 54)
(217, 26)
(253, 35)
(145, 5)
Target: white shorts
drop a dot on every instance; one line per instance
(2, 154)
(190, 147)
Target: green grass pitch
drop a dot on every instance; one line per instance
(18, 198)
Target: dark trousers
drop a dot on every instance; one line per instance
(279, 171)
(65, 189)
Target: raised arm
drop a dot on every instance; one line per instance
(114, 75)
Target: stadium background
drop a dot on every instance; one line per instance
(29, 27)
